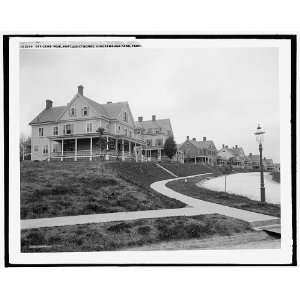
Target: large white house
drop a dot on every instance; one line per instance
(70, 132)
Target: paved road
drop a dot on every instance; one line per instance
(195, 207)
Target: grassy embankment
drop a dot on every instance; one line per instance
(190, 188)
(57, 189)
(63, 189)
(188, 169)
(123, 235)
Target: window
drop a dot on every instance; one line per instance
(36, 148)
(73, 112)
(159, 142)
(56, 148)
(157, 131)
(125, 131)
(45, 149)
(89, 127)
(119, 128)
(149, 143)
(125, 116)
(85, 111)
(55, 130)
(41, 131)
(68, 129)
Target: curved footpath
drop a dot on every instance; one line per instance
(195, 207)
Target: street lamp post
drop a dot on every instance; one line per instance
(260, 138)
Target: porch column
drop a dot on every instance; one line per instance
(91, 148)
(129, 147)
(75, 157)
(159, 155)
(107, 148)
(49, 150)
(195, 160)
(62, 150)
(116, 146)
(123, 154)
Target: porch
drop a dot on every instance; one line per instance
(92, 147)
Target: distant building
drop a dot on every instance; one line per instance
(235, 157)
(268, 164)
(204, 151)
(154, 132)
(252, 161)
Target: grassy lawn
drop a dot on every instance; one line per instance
(187, 169)
(232, 200)
(140, 174)
(123, 235)
(50, 189)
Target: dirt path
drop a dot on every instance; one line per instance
(251, 240)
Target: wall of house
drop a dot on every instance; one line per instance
(190, 151)
(153, 139)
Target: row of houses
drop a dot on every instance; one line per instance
(72, 132)
(205, 151)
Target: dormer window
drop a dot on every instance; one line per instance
(85, 111)
(72, 112)
(125, 116)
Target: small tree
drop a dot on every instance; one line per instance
(100, 132)
(25, 147)
(170, 147)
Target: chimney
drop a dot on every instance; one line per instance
(226, 146)
(223, 146)
(140, 119)
(153, 117)
(236, 146)
(80, 90)
(187, 138)
(204, 139)
(49, 103)
(194, 139)
(108, 102)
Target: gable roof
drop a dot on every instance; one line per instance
(114, 109)
(164, 124)
(49, 115)
(111, 110)
(201, 144)
(253, 157)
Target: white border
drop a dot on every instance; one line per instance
(274, 256)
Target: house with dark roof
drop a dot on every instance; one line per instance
(203, 151)
(235, 156)
(252, 161)
(268, 164)
(72, 131)
(154, 132)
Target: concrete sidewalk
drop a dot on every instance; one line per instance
(204, 207)
(195, 207)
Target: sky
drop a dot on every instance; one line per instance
(219, 93)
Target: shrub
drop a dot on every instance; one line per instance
(120, 227)
(144, 229)
(35, 238)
